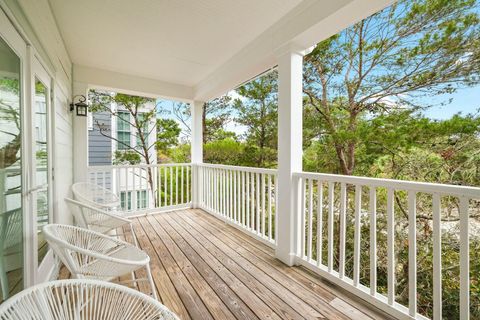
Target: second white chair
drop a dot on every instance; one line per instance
(91, 255)
(96, 219)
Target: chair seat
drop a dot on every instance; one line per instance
(83, 299)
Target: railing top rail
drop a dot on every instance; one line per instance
(433, 188)
(99, 168)
(238, 168)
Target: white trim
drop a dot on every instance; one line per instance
(129, 84)
(39, 72)
(379, 301)
(443, 189)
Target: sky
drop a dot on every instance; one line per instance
(464, 101)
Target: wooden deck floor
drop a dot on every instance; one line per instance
(206, 269)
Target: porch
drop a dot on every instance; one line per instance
(225, 241)
(204, 268)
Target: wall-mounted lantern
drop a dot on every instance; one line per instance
(81, 106)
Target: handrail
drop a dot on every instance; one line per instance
(238, 168)
(428, 187)
(123, 166)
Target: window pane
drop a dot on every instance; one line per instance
(41, 157)
(11, 217)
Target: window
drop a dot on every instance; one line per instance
(142, 199)
(126, 200)
(123, 130)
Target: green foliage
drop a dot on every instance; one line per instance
(225, 151)
(168, 131)
(396, 57)
(126, 157)
(216, 114)
(257, 110)
(365, 91)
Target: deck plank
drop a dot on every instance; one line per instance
(191, 300)
(222, 289)
(165, 287)
(305, 300)
(281, 309)
(276, 273)
(244, 292)
(214, 304)
(204, 268)
(300, 274)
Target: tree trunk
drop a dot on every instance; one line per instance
(204, 123)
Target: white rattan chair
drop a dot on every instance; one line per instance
(99, 220)
(83, 300)
(95, 195)
(92, 255)
(10, 242)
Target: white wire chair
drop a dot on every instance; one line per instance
(81, 300)
(95, 195)
(10, 242)
(91, 255)
(99, 220)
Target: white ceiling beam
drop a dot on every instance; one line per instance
(129, 84)
(306, 25)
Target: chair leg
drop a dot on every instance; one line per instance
(134, 236)
(152, 284)
(3, 279)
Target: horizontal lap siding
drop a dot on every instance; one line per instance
(63, 153)
(99, 146)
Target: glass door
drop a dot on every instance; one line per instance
(42, 178)
(12, 54)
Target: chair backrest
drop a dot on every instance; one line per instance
(95, 195)
(81, 250)
(94, 218)
(78, 299)
(10, 228)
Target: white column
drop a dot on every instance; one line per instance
(80, 137)
(290, 65)
(196, 149)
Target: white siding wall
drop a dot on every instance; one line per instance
(63, 155)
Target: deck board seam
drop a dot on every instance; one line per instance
(199, 307)
(277, 285)
(251, 245)
(249, 276)
(254, 292)
(191, 263)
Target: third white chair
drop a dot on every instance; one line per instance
(92, 255)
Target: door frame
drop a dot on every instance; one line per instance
(31, 65)
(38, 71)
(14, 40)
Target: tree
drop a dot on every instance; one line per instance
(216, 113)
(132, 111)
(168, 132)
(257, 110)
(396, 57)
(10, 114)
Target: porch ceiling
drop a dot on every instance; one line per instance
(179, 41)
(190, 49)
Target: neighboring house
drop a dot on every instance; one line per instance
(102, 148)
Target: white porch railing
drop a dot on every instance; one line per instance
(145, 188)
(330, 207)
(245, 197)
(341, 220)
